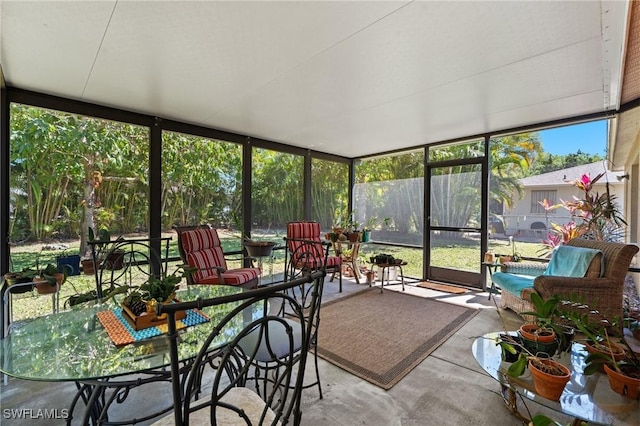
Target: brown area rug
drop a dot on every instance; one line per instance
(381, 337)
(442, 287)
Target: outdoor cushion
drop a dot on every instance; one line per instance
(513, 283)
(204, 252)
(232, 277)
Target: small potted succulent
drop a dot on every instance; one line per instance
(140, 304)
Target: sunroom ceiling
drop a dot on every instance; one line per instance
(343, 77)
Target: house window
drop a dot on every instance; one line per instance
(538, 196)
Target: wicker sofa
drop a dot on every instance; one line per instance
(600, 289)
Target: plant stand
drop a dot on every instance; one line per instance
(385, 269)
(261, 250)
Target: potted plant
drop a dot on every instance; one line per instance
(372, 222)
(549, 376)
(598, 334)
(622, 370)
(23, 277)
(68, 263)
(609, 352)
(140, 304)
(106, 253)
(541, 335)
(49, 279)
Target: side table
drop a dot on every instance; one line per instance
(382, 267)
(350, 261)
(491, 267)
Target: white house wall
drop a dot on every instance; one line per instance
(519, 219)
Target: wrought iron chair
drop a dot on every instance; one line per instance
(304, 256)
(200, 248)
(309, 257)
(233, 398)
(126, 263)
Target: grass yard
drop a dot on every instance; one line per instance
(461, 255)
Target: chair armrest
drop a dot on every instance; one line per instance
(602, 294)
(549, 285)
(524, 268)
(218, 269)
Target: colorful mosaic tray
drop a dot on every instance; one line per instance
(122, 333)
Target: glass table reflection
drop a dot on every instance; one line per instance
(74, 346)
(587, 398)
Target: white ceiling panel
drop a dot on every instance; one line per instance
(51, 47)
(206, 54)
(346, 77)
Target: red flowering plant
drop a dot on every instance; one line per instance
(595, 216)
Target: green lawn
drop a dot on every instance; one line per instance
(461, 255)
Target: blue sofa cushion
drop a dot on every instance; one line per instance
(513, 283)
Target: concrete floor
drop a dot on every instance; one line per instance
(447, 388)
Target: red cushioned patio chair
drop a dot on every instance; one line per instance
(200, 248)
(309, 256)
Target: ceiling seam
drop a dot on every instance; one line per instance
(326, 49)
(427, 90)
(354, 111)
(95, 58)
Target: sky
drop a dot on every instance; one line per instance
(590, 138)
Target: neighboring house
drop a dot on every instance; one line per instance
(528, 218)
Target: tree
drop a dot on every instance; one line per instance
(510, 158)
(59, 160)
(391, 187)
(548, 162)
(202, 180)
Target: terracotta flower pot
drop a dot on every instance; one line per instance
(530, 332)
(623, 384)
(88, 266)
(548, 385)
(114, 261)
(618, 351)
(44, 287)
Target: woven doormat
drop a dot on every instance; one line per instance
(442, 287)
(381, 337)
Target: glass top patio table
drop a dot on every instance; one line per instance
(588, 398)
(74, 346)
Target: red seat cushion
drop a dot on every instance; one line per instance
(204, 252)
(232, 277)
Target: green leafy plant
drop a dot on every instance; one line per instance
(161, 289)
(103, 243)
(542, 420)
(50, 274)
(546, 311)
(602, 333)
(372, 222)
